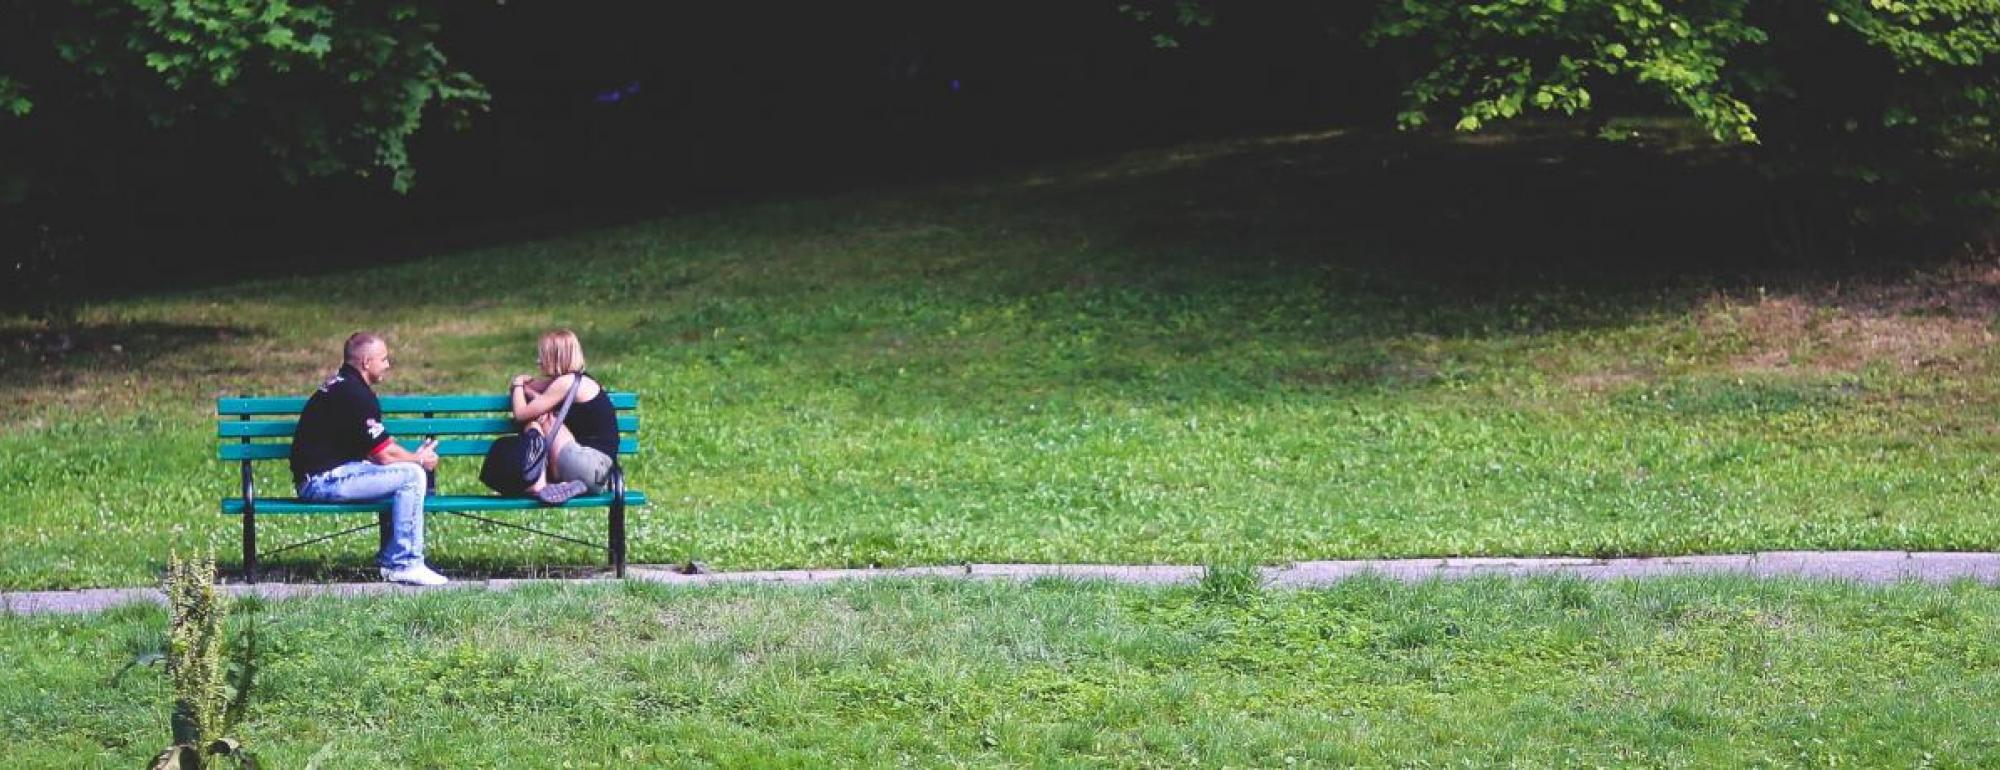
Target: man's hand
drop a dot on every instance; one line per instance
(427, 455)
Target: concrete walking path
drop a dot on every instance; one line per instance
(1856, 566)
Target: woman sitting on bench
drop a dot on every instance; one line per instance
(582, 448)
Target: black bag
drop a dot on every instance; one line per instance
(514, 463)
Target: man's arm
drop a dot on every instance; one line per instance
(392, 452)
(368, 414)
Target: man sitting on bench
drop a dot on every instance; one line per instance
(341, 453)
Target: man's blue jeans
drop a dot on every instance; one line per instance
(361, 482)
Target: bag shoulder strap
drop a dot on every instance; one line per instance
(569, 398)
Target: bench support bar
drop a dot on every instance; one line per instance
(530, 530)
(616, 547)
(320, 539)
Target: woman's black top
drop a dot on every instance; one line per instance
(594, 423)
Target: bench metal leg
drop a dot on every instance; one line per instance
(618, 538)
(617, 523)
(249, 518)
(250, 544)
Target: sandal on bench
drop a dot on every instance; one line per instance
(559, 493)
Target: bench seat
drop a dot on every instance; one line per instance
(436, 503)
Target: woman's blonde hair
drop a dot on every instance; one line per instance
(560, 353)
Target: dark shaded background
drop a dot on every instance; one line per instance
(607, 112)
(612, 111)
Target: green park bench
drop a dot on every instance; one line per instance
(467, 425)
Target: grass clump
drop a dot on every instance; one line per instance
(1231, 583)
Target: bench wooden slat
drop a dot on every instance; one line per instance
(232, 407)
(440, 426)
(445, 448)
(285, 505)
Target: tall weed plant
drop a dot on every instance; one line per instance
(196, 646)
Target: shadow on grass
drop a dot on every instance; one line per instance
(311, 571)
(1583, 232)
(82, 365)
(1405, 238)
(118, 344)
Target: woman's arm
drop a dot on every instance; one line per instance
(528, 407)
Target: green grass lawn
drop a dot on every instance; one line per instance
(1297, 347)
(1488, 673)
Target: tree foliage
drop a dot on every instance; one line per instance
(1860, 110)
(1919, 67)
(323, 86)
(1897, 100)
(1497, 60)
(1163, 16)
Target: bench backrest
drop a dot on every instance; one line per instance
(464, 425)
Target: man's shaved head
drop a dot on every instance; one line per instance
(358, 345)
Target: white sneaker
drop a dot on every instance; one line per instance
(415, 575)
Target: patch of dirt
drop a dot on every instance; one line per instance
(1387, 373)
(468, 323)
(268, 367)
(1931, 320)
(1606, 381)
(1935, 320)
